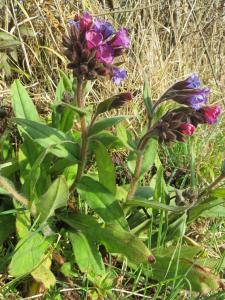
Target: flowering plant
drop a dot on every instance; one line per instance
(69, 196)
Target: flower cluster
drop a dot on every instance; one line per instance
(93, 45)
(177, 123)
(188, 92)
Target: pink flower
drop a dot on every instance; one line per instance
(187, 128)
(93, 39)
(104, 54)
(85, 21)
(121, 39)
(210, 113)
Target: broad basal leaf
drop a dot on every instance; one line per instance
(87, 256)
(101, 201)
(114, 238)
(44, 275)
(28, 254)
(55, 197)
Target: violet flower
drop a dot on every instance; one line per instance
(119, 75)
(93, 39)
(121, 39)
(104, 27)
(187, 92)
(104, 54)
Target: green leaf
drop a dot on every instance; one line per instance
(154, 204)
(109, 140)
(44, 275)
(147, 99)
(65, 84)
(149, 156)
(104, 105)
(106, 171)
(198, 209)
(29, 253)
(87, 256)
(23, 106)
(50, 138)
(101, 201)
(106, 123)
(114, 238)
(201, 279)
(55, 197)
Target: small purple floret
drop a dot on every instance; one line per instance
(193, 82)
(198, 99)
(104, 54)
(121, 39)
(86, 21)
(119, 75)
(104, 27)
(93, 39)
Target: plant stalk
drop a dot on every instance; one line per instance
(141, 146)
(213, 184)
(84, 134)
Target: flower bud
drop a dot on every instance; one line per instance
(210, 113)
(121, 99)
(187, 129)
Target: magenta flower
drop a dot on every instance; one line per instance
(121, 39)
(187, 129)
(104, 27)
(210, 113)
(104, 54)
(91, 47)
(86, 21)
(93, 39)
(119, 75)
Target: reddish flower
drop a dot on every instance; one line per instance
(210, 113)
(85, 21)
(187, 128)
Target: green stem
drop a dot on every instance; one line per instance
(213, 184)
(84, 134)
(141, 146)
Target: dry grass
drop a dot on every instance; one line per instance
(170, 39)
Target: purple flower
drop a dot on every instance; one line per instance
(86, 21)
(119, 75)
(121, 39)
(191, 82)
(93, 39)
(104, 27)
(188, 92)
(194, 98)
(104, 54)
(74, 23)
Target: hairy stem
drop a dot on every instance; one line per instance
(141, 146)
(84, 134)
(21, 199)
